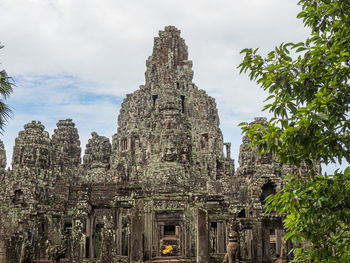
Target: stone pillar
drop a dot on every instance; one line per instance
(258, 241)
(107, 240)
(279, 236)
(80, 216)
(90, 233)
(136, 249)
(119, 231)
(221, 238)
(147, 233)
(228, 150)
(266, 244)
(78, 241)
(249, 243)
(202, 236)
(2, 242)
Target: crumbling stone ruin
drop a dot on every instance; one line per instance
(161, 191)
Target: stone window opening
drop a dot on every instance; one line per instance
(182, 104)
(204, 141)
(42, 228)
(125, 241)
(18, 196)
(267, 189)
(87, 247)
(177, 85)
(219, 169)
(154, 97)
(241, 214)
(124, 144)
(169, 231)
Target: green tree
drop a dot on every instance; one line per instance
(6, 84)
(309, 89)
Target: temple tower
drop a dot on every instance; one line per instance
(168, 130)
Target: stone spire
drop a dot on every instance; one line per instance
(97, 152)
(169, 57)
(32, 180)
(96, 158)
(32, 147)
(66, 145)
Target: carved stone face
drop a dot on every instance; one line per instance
(29, 156)
(170, 152)
(266, 158)
(233, 236)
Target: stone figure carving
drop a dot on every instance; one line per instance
(232, 248)
(107, 241)
(26, 252)
(265, 158)
(56, 252)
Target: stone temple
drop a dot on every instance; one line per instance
(164, 190)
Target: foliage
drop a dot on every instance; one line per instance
(6, 84)
(309, 97)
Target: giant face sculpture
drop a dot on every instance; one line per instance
(169, 152)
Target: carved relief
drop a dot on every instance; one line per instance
(168, 205)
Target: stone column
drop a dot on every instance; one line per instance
(221, 248)
(266, 244)
(108, 244)
(136, 249)
(279, 236)
(78, 241)
(258, 241)
(202, 236)
(147, 232)
(80, 216)
(249, 243)
(228, 150)
(90, 233)
(119, 231)
(2, 242)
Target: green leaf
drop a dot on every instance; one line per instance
(310, 100)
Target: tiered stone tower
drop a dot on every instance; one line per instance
(168, 130)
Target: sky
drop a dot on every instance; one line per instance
(79, 58)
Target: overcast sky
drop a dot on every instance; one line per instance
(79, 58)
